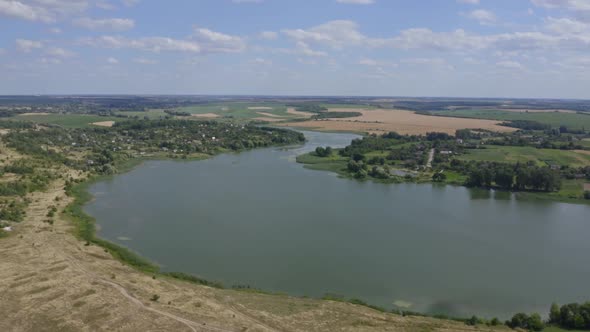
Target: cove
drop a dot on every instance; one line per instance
(258, 218)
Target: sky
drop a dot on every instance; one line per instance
(438, 48)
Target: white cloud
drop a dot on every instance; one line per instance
(368, 62)
(262, 61)
(213, 42)
(130, 3)
(45, 11)
(25, 45)
(153, 44)
(469, 2)
(55, 30)
(509, 64)
(112, 61)
(105, 5)
(335, 34)
(110, 24)
(581, 5)
(567, 26)
(51, 61)
(484, 17)
(59, 52)
(304, 49)
(356, 2)
(269, 35)
(17, 9)
(203, 41)
(145, 61)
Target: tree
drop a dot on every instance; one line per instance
(439, 177)
(554, 314)
(535, 323)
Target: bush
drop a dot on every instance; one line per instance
(587, 194)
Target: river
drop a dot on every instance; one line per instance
(259, 218)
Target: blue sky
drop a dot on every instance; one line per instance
(468, 48)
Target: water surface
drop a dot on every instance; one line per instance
(259, 218)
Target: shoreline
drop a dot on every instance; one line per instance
(85, 230)
(338, 167)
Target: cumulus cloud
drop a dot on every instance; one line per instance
(152, 44)
(45, 11)
(112, 61)
(335, 34)
(509, 65)
(469, 2)
(340, 34)
(484, 17)
(217, 42)
(110, 24)
(581, 5)
(59, 52)
(25, 45)
(269, 35)
(203, 41)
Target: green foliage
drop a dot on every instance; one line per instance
(587, 194)
(323, 152)
(571, 316)
(439, 177)
(13, 211)
(524, 321)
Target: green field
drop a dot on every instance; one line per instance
(151, 114)
(555, 119)
(66, 120)
(513, 154)
(238, 110)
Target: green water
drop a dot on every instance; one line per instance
(259, 218)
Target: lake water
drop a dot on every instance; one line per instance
(259, 218)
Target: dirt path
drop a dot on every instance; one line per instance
(430, 158)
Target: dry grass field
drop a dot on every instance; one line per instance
(403, 122)
(104, 123)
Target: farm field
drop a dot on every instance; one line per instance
(151, 114)
(404, 122)
(241, 111)
(542, 157)
(66, 120)
(555, 119)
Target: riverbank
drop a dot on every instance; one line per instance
(55, 281)
(568, 193)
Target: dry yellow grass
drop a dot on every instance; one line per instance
(269, 115)
(267, 119)
(206, 115)
(104, 123)
(30, 114)
(295, 112)
(403, 122)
